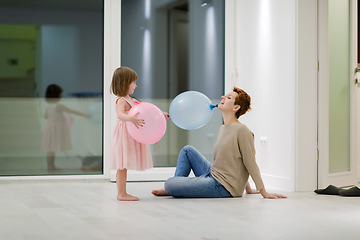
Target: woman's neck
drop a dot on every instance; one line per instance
(230, 119)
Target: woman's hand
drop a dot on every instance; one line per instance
(271, 195)
(137, 121)
(249, 190)
(167, 116)
(252, 191)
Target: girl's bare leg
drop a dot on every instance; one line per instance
(121, 176)
(50, 158)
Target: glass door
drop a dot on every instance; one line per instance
(337, 92)
(175, 46)
(51, 85)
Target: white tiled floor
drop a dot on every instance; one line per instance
(81, 210)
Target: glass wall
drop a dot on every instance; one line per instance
(339, 86)
(51, 85)
(176, 46)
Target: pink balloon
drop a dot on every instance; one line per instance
(155, 123)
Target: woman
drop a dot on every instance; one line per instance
(234, 159)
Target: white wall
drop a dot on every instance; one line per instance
(306, 96)
(271, 52)
(264, 65)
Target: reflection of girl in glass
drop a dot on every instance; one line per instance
(56, 136)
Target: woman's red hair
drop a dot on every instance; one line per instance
(244, 100)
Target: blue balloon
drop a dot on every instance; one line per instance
(191, 110)
(95, 111)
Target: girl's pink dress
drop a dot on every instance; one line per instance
(56, 136)
(126, 152)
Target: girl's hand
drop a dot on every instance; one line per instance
(136, 121)
(167, 116)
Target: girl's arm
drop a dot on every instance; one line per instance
(120, 106)
(46, 114)
(64, 108)
(167, 116)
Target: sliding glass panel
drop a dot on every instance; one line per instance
(176, 46)
(339, 86)
(51, 84)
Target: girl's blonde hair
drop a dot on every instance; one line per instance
(244, 100)
(121, 80)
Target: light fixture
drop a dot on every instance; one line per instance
(144, 25)
(206, 3)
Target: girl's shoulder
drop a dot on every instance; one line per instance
(120, 99)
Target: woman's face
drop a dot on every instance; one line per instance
(132, 87)
(228, 101)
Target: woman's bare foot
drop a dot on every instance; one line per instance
(160, 192)
(127, 197)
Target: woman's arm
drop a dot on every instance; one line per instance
(265, 194)
(249, 190)
(247, 148)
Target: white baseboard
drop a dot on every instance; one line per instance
(153, 174)
(163, 173)
(275, 182)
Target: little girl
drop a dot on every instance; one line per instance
(56, 136)
(126, 152)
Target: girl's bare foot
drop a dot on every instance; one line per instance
(160, 192)
(127, 197)
(54, 170)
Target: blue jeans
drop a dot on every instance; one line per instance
(203, 185)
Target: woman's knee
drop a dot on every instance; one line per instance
(171, 185)
(188, 148)
(168, 186)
